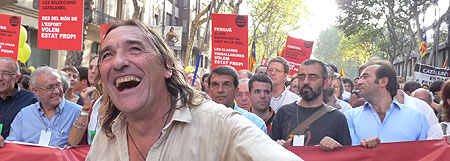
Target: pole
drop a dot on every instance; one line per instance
(211, 6)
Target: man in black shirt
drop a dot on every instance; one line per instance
(330, 130)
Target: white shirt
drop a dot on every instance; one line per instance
(285, 98)
(344, 106)
(93, 120)
(436, 132)
(346, 95)
(422, 106)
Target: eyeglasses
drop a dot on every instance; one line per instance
(50, 88)
(7, 74)
(311, 77)
(274, 70)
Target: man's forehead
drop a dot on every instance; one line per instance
(275, 64)
(309, 69)
(370, 70)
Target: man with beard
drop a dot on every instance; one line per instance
(330, 130)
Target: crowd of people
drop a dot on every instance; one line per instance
(135, 101)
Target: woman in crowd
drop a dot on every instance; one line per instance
(439, 130)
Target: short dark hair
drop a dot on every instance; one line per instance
(327, 93)
(260, 77)
(386, 69)
(25, 80)
(83, 74)
(348, 80)
(225, 70)
(436, 86)
(280, 60)
(411, 86)
(322, 65)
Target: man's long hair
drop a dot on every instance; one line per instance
(178, 89)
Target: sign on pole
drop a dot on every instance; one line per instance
(9, 36)
(61, 24)
(229, 38)
(425, 74)
(295, 52)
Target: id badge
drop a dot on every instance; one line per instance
(44, 139)
(298, 140)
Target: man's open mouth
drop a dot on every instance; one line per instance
(127, 82)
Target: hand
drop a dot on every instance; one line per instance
(446, 137)
(2, 142)
(285, 143)
(85, 96)
(370, 142)
(328, 143)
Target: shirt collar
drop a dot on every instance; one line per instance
(394, 104)
(282, 94)
(59, 108)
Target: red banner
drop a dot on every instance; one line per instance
(60, 24)
(413, 150)
(229, 41)
(9, 36)
(103, 29)
(32, 153)
(295, 52)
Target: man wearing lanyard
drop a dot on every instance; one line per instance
(277, 70)
(47, 122)
(12, 98)
(260, 86)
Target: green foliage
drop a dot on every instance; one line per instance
(272, 20)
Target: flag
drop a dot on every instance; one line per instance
(264, 61)
(445, 66)
(252, 56)
(342, 72)
(281, 54)
(423, 45)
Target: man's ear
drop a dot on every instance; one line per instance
(383, 81)
(18, 77)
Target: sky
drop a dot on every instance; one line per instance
(322, 15)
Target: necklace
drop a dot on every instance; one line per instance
(140, 153)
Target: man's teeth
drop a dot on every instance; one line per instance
(127, 79)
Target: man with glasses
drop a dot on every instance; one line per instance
(12, 98)
(47, 122)
(278, 70)
(223, 88)
(329, 130)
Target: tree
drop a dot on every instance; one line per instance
(396, 22)
(199, 20)
(326, 47)
(272, 20)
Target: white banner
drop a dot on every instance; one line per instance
(425, 74)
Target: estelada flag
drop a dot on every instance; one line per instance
(445, 66)
(342, 72)
(423, 45)
(252, 57)
(264, 61)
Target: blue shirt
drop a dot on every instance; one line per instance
(252, 117)
(30, 121)
(12, 105)
(401, 123)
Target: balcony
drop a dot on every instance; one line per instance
(101, 18)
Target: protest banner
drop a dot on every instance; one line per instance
(60, 24)
(412, 150)
(229, 38)
(426, 74)
(9, 36)
(295, 52)
(20, 152)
